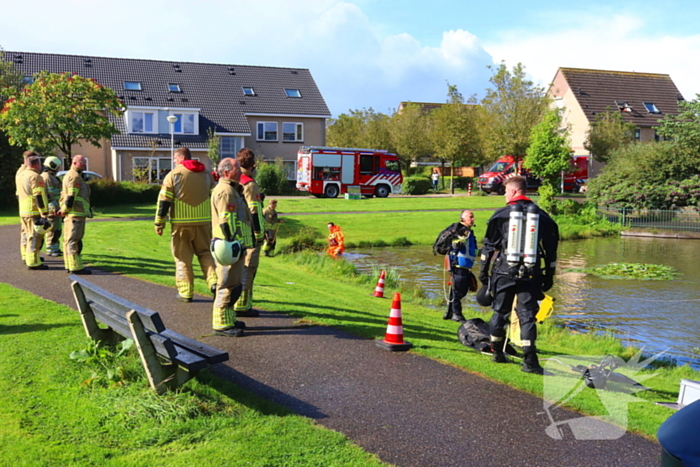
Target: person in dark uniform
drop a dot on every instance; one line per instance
(526, 277)
(461, 257)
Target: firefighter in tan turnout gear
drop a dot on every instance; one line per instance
(272, 224)
(185, 197)
(33, 211)
(231, 226)
(75, 206)
(53, 192)
(251, 193)
(18, 185)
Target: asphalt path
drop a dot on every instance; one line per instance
(407, 409)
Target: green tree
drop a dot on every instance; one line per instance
(58, 110)
(549, 153)
(509, 112)
(684, 128)
(410, 135)
(10, 156)
(455, 132)
(363, 128)
(213, 147)
(607, 133)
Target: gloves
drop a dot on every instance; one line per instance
(548, 280)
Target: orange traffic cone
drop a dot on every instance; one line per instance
(379, 289)
(393, 340)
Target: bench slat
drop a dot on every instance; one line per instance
(151, 319)
(188, 360)
(162, 344)
(211, 354)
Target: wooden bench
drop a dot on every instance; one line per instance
(170, 359)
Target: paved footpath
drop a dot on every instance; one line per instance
(407, 409)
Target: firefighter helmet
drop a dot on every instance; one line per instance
(224, 252)
(52, 162)
(42, 225)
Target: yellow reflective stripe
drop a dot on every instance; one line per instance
(186, 214)
(165, 194)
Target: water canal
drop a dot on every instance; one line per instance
(655, 315)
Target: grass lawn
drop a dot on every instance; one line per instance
(53, 411)
(326, 291)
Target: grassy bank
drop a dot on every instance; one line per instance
(326, 291)
(54, 412)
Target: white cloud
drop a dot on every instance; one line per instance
(353, 66)
(619, 43)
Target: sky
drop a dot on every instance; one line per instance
(375, 53)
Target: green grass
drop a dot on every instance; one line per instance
(328, 292)
(416, 203)
(50, 415)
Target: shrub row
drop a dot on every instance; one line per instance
(110, 193)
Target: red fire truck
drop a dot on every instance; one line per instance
(328, 172)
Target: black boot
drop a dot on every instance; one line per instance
(498, 355)
(459, 317)
(531, 363)
(448, 313)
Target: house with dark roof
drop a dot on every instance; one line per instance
(270, 110)
(641, 98)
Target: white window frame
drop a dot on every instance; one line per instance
(248, 91)
(180, 114)
(138, 83)
(152, 161)
(292, 93)
(177, 86)
(131, 113)
(298, 132)
(264, 131)
(653, 106)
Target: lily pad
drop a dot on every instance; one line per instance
(639, 271)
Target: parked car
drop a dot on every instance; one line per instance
(88, 176)
(491, 181)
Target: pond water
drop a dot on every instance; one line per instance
(656, 315)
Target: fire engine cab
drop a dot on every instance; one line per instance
(324, 171)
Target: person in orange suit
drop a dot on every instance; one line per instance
(336, 240)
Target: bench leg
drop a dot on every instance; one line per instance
(160, 376)
(92, 329)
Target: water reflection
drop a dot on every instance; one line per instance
(656, 315)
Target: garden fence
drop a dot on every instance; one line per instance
(683, 219)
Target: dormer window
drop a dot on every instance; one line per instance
(248, 91)
(173, 87)
(187, 123)
(132, 85)
(292, 93)
(651, 108)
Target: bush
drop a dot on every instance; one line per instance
(417, 185)
(272, 178)
(110, 193)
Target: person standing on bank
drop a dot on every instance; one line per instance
(251, 193)
(461, 257)
(435, 177)
(75, 207)
(53, 192)
(272, 223)
(33, 211)
(521, 248)
(231, 225)
(185, 197)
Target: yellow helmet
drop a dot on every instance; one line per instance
(52, 162)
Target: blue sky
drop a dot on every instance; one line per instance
(375, 53)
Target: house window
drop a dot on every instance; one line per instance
(292, 93)
(248, 91)
(292, 131)
(290, 168)
(132, 85)
(142, 122)
(623, 106)
(27, 80)
(150, 169)
(651, 108)
(267, 131)
(173, 87)
(229, 146)
(185, 124)
(637, 134)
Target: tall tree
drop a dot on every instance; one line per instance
(455, 132)
(684, 128)
(510, 109)
(10, 156)
(549, 153)
(58, 110)
(409, 130)
(363, 128)
(607, 133)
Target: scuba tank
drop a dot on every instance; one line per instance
(514, 251)
(532, 227)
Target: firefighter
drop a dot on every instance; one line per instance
(185, 197)
(272, 223)
(336, 240)
(461, 257)
(53, 191)
(251, 193)
(521, 267)
(75, 207)
(233, 235)
(18, 184)
(33, 211)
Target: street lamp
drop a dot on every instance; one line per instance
(172, 119)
